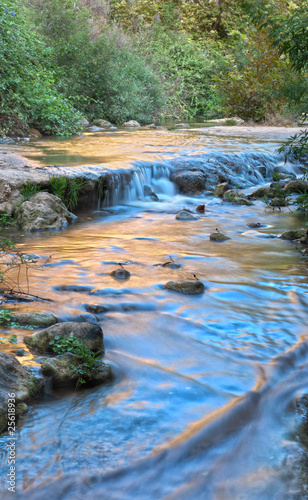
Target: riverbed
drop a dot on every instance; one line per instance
(202, 404)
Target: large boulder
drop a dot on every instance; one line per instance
(131, 123)
(191, 182)
(37, 320)
(297, 186)
(62, 370)
(102, 123)
(18, 380)
(43, 211)
(90, 334)
(186, 287)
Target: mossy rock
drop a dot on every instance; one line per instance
(62, 373)
(37, 320)
(294, 234)
(90, 334)
(219, 237)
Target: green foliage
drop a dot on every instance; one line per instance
(279, 199)
(295, 146)
(186, 69)
(28, 94)
(29, 190)
(252, 87)
(68, 190)
(88, 362)
(302, 202)
(6, 220)
(7, 319)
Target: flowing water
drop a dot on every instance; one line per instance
(202, 405)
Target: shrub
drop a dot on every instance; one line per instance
(68, 190)
(88, 361)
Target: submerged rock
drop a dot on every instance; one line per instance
(182, 125)
(94, 128)
(131, 123)
(191, 182)
(16, 379)
(186, 215)
(219, 237)
(254, 225)
(97, 308)
(294, 234)
(120, 274)
(62, 372)
(38, 320)
(242, 201)
(220, 189)
(148, 192)
(89, 334)
(43, 211)
(186, 287)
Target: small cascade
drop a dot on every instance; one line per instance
(240, 170)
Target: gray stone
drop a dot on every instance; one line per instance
(185, 215)
(131, 123)
(101, 123)
(16, 379)
(62, 373)
(242, 201)
(43, 211)
(220, 189)
(191, 182)
(89, 334)
(186, 287)
(182, 125)
(38, 320)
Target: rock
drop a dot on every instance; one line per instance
(15, 378)
(219, 237)
(74, 288)
(97, 308)
(220, 189)
(297, 186)
(230, 195)
(191, 182)
(20, 352)
(8, 207)
(171, 265)
(200, 209)
(242, 201)
(255, 225)
(157, 127)
(43, 211)
(89, 334)
(285, 176)
(94, 128)
(131, 123)
(62, 374)
(186, 215)
(102, 123)
(120, 274)
(256, 234)
(148, 192)
(186, 287)
(38, 320)
(84, 122)
(33, 132)
(262, 192)
(294, 234)
(182, 125)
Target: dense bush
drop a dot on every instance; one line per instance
(27, 92)
(187, 71)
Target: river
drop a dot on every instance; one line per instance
(202, 404)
